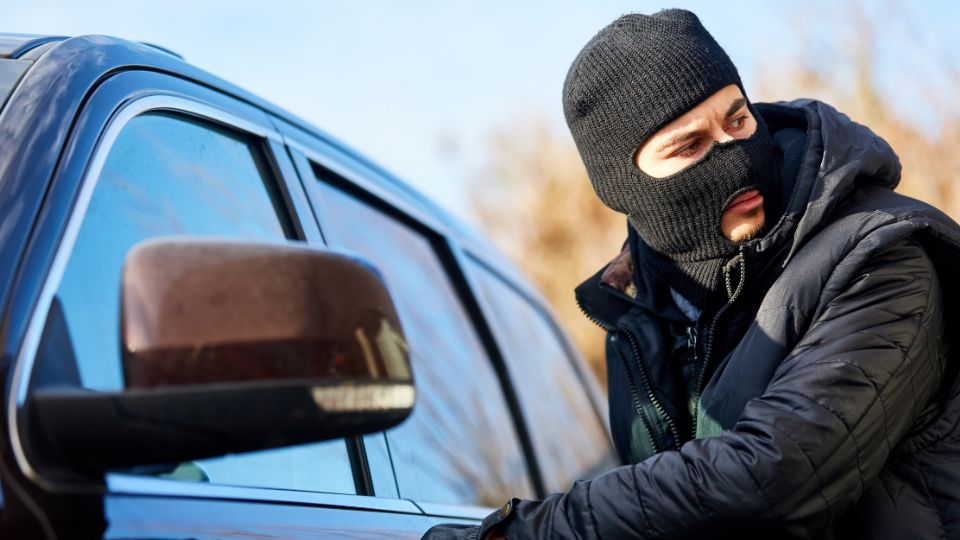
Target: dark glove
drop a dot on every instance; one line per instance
(452, 532)
(494, 523)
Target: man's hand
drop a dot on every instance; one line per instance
(459, 532)
(449, 531)
(491, 528)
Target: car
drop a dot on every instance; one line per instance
(178, 259)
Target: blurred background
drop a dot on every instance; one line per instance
(462, 100)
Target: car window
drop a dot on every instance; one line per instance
(459, 446)
(567, 435)
(169, 175)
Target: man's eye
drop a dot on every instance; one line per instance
(689, 149)
(738, 123)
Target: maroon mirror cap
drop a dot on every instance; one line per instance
(199, 311)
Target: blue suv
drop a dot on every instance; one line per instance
(211, 313)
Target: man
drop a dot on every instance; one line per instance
(777, 322)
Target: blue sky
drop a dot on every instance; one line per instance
(400, 80)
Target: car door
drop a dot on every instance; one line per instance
(155, 155)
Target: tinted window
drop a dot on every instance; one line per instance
(459, 445)
(567, 434)
(166, 175)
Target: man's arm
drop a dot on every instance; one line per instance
(800, 454)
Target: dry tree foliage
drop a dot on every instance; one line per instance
(916, 111)
(534, 200)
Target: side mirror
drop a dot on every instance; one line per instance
(232, 347)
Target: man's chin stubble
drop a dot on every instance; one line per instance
(750, 234)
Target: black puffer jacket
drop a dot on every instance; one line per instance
(828, 405)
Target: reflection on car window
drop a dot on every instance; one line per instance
(568, 437)
(459, 446)
(167, 175)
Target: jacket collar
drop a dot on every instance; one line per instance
(601, 303)
(605, 304)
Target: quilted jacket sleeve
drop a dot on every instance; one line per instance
(801, 453)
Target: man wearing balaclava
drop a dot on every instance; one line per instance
(777, 323)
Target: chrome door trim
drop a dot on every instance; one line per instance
(455, 510)
(126, 484)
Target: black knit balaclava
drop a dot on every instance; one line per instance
(635, 76)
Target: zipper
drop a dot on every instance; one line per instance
(693, 361)
(650, 395)
(593, 319)
(645, 379)
(733, 294)
(644, 421)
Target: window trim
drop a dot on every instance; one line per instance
(26, 356)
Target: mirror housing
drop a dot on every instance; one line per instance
(233, 347)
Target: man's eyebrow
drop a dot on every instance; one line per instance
(687, 135)
(735, 106)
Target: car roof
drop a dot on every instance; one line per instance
(15, 45)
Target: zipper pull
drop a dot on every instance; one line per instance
(692, 340)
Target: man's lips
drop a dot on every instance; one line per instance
(745, 202)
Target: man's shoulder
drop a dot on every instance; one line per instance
(874, 224)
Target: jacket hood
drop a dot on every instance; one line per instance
(839, 155)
